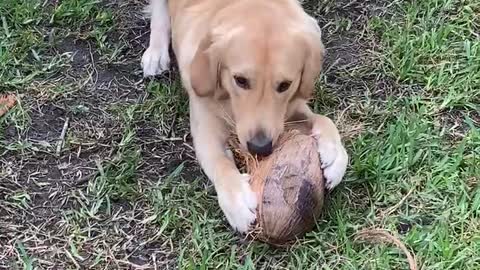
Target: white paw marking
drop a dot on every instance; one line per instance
(239, 206)
(155, 61)
(334, 160)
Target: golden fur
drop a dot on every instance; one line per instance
(248, 66)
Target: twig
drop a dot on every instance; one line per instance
(136, 266)
(396, 206)
(70, 256)
(61, 140)
(86, 178)
(377, 235)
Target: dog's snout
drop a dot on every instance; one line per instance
(260, 145)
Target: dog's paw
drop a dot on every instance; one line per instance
(155, 61)
(238, 204)
(334, 159)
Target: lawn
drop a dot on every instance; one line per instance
(122, 189)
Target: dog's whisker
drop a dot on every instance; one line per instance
(228, 119)
(295, 122)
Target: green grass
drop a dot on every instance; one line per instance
(126, 191)
(31, 27)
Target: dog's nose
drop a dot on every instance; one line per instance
(260, 145)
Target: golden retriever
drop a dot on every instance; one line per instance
(248, 66)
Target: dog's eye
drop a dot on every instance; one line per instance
(242, 82)
(283, 86)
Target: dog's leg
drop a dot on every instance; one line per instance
(236, 199)
(333, 156)
(156, 59)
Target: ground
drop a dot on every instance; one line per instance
(124, 191)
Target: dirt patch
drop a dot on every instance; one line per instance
(350, 68)
(81, 51)
(41, 193)
(454, 123)
(47, 123)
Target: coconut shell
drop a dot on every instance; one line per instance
(290, 188)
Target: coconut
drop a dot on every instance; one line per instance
(289, 185)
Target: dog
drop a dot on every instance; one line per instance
(249, 66)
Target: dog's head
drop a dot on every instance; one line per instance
(261, 66)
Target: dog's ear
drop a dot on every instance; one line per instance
(204, 68)
(314, 52)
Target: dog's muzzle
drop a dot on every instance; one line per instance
(260, 145)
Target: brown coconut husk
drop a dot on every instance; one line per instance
(289, 186)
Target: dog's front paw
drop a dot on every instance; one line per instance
(333, 157)
(155, 61)
(239, 203)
